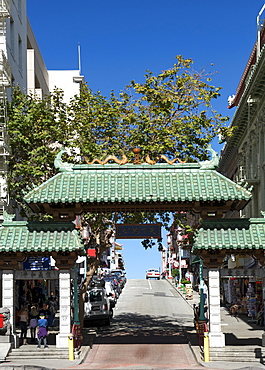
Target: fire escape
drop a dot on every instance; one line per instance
(5, 82)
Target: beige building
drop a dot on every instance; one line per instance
(243, 156)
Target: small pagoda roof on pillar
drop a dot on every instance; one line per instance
(220, 237)
(22, 239)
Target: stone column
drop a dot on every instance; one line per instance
(8, 300)
(216, 337)
(65, 309)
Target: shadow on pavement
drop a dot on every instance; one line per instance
(136, 329)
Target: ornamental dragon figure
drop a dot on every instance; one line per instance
(6, 329)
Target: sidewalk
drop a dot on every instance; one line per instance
(239, 331)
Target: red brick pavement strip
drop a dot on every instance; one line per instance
(140, 356)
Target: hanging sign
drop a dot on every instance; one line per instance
(242, 273)
(37, 275)
(138, 231)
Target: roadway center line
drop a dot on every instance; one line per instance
(150, 286)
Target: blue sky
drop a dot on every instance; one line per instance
(120, 40)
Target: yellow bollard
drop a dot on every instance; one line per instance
(71, 347)
(206, 347)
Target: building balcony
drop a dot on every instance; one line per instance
(5, 70)
(248, 175)
(4, 8)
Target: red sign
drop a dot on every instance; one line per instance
(91, 252)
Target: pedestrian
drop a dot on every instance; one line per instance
(45, 311)
(205, 293)
(42, 331)
(52, 308)
(33, 316)
(23, 321)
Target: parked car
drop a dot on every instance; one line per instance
(116, 284)
(97, 306)
(121, 276)
(152, 274)
(111, 293)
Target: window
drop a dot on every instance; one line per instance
(19, 53)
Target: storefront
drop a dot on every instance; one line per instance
(218, 242)
(242, 291)
(20, 240)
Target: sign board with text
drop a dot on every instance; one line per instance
(138, 231)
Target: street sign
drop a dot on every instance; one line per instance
(138, 231)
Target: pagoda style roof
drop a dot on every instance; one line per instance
(39, 237)
(130, 187)
(230, 234)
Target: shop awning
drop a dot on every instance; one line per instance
(196, 260)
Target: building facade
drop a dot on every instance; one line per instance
(243, 156)
(21, 64)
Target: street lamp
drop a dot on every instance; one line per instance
(76, 307)
(201, 315)
(180, 258)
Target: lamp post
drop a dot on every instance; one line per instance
(201, 315)
(76, 308)
(112, 251)
(180, 271)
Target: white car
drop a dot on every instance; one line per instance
(110, 293)
(97, 306)
(152, 274)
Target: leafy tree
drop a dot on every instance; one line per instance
(36, 129)
(167, 114)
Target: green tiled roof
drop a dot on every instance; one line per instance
(132, 183)
(23, 236)
(243, 233)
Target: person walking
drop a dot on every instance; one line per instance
(33, 316)
(52, 308)
(42, 332)
(23, 321)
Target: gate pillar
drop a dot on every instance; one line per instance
(216, 337)
(65, 309)
(8, 299)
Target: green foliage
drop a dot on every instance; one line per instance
(36, 129)
(175, 273)
(184, 281)
(167, 114)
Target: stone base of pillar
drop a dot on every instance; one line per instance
(216, 340)
(13, 339)
(16, 340)
(6, 338)
(62, 340)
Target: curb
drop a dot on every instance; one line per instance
(195, 349)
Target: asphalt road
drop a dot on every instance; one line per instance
(147, 331)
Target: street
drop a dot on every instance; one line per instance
(146, 331)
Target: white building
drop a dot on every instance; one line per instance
(21, 64)
(69, 81)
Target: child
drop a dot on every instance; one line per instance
(42, 332)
